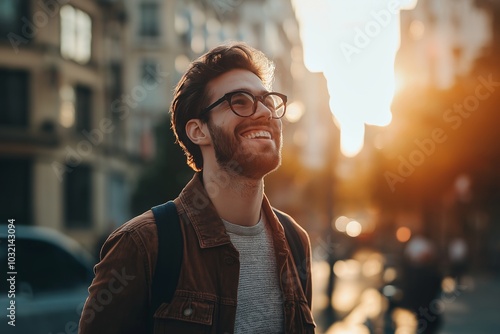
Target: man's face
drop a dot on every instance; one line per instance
(248, 146)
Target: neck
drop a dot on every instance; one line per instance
(237, 199)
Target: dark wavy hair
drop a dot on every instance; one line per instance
(190, 94)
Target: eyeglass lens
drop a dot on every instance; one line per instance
(243, 104)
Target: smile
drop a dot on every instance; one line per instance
(258, 135)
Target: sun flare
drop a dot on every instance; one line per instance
(354, 44)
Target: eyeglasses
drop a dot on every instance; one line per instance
(244, 104)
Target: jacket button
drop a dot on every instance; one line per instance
(187, 312)
(228, 260)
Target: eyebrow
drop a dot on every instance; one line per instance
(260, 92)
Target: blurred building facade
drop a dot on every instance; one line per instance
(62, 161)
(444, 45)
(448, 36)
(446, 42)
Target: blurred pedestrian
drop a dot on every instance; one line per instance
(421, 284)
(458, 257)
(238, 274)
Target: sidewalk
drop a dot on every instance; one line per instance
(476, 310)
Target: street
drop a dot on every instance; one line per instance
(360, 301)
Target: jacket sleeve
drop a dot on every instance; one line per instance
(119, 294)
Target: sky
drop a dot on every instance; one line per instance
(354, 44)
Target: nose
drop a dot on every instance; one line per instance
(261, 110)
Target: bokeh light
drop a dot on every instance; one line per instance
(348, 269)
(403, 234)
(449, 284)
(373, 266)
(341, 223)
(346, 328)
(294, 111)
(405, 321)
(353, 228)
(390, 274)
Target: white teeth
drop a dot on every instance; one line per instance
(258, 134)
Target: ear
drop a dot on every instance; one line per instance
(197, 132)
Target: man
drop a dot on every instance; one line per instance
(237, 274)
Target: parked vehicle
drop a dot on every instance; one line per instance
(52, 274)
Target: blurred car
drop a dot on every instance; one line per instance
(53, 274)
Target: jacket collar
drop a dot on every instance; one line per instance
(194, 203)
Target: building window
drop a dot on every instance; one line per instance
(15, 190)
(11, 12)
(183, 27)
(14, 96)
(78, 197)
(150, 23)
(83, 104)
(149, 73)
(76, 34)
(116, 113)
(116, 80)
(118, 200)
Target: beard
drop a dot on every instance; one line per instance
(239, 159)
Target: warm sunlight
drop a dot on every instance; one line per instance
(354, 45)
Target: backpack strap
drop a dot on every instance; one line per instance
(169, 260)
(296, 247)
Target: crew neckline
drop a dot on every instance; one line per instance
(245, 230)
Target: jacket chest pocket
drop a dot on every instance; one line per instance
(184, 315)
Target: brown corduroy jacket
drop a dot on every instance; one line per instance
(206, 295)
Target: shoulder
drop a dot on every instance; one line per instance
(139, 224)
(140, 230)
